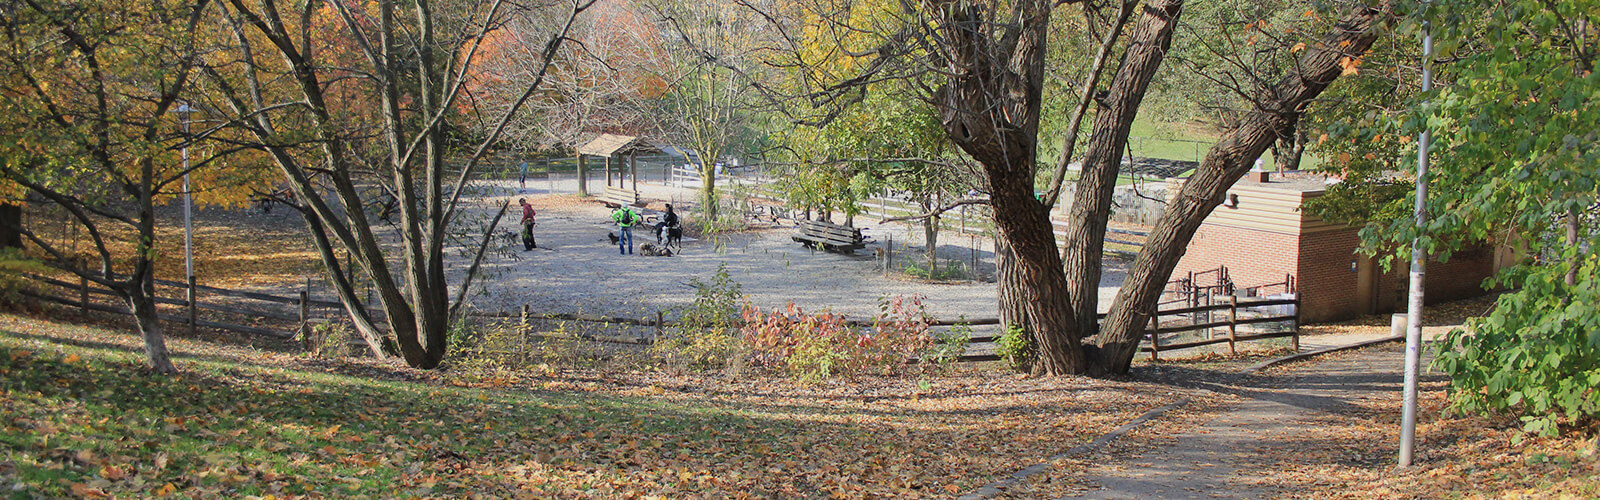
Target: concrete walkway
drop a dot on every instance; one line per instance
(1205, 463)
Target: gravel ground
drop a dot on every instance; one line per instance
(577, 270)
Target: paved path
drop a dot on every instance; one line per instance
(1201, 462)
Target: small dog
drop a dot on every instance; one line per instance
(651, 250)
(613, 237)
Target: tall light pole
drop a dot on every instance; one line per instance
(1408, 417)
(184, 112)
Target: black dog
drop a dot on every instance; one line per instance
(613, 236)
(672, 236)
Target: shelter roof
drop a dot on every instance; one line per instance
(612, 144)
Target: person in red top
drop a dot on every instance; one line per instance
(527, 225)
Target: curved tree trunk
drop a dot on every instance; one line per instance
(990, 109)
(143, 307)
(1091, 205)
(1278, 110)
(1031, 283)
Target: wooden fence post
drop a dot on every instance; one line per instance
(1296, 334)
(83, 294)
(1155, 338)
(660, 324)
(974, 271)
(305, 314)
(1233, 323)
(194, 309)
(888, 255)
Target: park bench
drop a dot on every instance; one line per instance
(616, 196)
(829, 236)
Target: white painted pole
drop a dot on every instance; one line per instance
(1408, 419)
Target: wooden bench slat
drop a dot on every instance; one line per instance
(829, 236)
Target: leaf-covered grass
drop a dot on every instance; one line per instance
(80, 417)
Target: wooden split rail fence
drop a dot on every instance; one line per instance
(1152, 344)
(301, 315)
(299, 311)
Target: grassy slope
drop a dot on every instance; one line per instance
(81, 418)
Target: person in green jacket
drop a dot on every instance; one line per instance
(625, 218)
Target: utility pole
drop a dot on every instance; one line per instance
(1408, 418)
(184, 112)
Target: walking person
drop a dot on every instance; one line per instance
(528, 242)
(625, 218)
(523, 181)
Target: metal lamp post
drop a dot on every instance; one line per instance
(184, 113)
(1408, 418)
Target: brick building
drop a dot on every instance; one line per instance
(1261, 236)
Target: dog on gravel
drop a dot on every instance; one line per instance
(613, 237)
(651, 250)
(670, 237)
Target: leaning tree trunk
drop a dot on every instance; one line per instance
(1091, 205)
(143, 306)
(1278, 110)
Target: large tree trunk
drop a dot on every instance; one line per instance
(1030, 281)
(990, 109)
(1012, 293)
(143, 307)
(1091, 205)
(708, 193)
(1278, 109)
(10, 220)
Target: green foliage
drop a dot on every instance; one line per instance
(707, 335)
(1538, 354)
(1517, 161)
(953, 270)
(330, 340)
(488, 347)
(1015, 347)
(949, 346)
(815, 347)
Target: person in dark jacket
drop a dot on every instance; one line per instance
(528, 242)
(669, 230)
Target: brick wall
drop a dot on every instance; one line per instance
(1252, 257)
(1321, 263)
(1327, 277)
(1461, 277)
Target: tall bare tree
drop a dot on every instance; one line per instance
(342, 94)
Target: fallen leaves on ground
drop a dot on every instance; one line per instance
(242, 421)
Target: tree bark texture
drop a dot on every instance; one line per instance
(990, 108)
(1278, 108)
(10, 218)
(1091, 204)
(157, 357)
